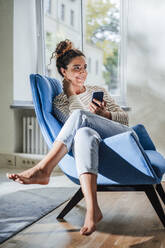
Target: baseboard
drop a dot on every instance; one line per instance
(22, 161)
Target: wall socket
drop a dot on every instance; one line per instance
(7, 160)
(22, 161)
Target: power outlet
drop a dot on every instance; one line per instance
(7, 160)
(23, 161)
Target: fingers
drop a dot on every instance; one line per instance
(93, 108)
(97, 101)
(104, 103)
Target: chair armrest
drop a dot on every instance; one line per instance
(127, 146)
(144, 137)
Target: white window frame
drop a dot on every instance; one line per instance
(124, 7)
(124, 10)
(41, 57)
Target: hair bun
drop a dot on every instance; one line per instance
(63, 47)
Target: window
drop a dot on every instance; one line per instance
(89, 65)
(47, 6)
(103, 41)
(99, 30)
(56, 30)
(62, 12)
(72, 17)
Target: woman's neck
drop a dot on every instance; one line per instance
(80, 90)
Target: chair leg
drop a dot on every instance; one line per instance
(161, 192)
(73, 202)
(152, 196)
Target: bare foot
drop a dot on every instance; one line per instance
(34, 175)
(90, 221)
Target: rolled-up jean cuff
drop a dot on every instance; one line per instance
(87, 171)
(65, 143)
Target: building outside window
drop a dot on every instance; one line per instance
(47, 6)
(56, 30)
(62, 12)
(72, 17)
(97, 31)
(103, 32)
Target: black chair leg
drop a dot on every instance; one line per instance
(161, 192)
(73, 202)
(152, 196)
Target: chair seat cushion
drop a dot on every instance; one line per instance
(157, 161)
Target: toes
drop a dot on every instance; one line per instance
(83, 229)
(18, 180)
(11, 176)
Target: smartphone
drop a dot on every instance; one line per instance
(98, 95)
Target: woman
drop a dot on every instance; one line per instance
(85, 125)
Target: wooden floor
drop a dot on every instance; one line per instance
(128, 221)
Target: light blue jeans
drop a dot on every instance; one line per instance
(82, 133)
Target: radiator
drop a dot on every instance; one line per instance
(33, 141)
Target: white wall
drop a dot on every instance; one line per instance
(6, 76)
(146, 67)
(25, 49)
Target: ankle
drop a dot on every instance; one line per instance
(42, 168)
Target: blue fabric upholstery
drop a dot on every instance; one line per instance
(123, 160)
(144, 137)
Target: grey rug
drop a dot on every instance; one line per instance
(22, 208)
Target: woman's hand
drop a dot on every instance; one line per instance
(68, 87)
(99, 110)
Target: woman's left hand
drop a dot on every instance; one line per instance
(99, 110)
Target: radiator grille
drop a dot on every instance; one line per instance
(33, 141)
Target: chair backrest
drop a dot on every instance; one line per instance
(44, 89)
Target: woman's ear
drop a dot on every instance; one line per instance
(63, 71)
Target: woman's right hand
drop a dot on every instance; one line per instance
(68, 87)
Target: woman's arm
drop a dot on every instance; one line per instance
(116, 112)
(109, 109)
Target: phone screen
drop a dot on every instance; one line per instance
(98, 95)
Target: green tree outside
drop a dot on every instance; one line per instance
(102, 30)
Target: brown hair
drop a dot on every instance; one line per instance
(64, 53)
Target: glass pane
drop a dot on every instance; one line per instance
(62, 20)
(102, 44)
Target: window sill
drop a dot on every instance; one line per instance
(22, 105)
(30, 105)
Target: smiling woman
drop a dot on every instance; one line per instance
(85, 126)
(71, 64)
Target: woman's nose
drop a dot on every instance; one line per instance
(82, 70)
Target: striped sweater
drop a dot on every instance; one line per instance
(64, 106)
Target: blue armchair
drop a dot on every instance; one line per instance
(126, 163)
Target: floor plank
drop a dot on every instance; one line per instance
(128, 221)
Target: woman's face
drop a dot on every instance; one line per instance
(76, 71)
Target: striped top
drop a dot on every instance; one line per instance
(64, 106)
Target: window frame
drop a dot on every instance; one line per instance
(41, 65)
